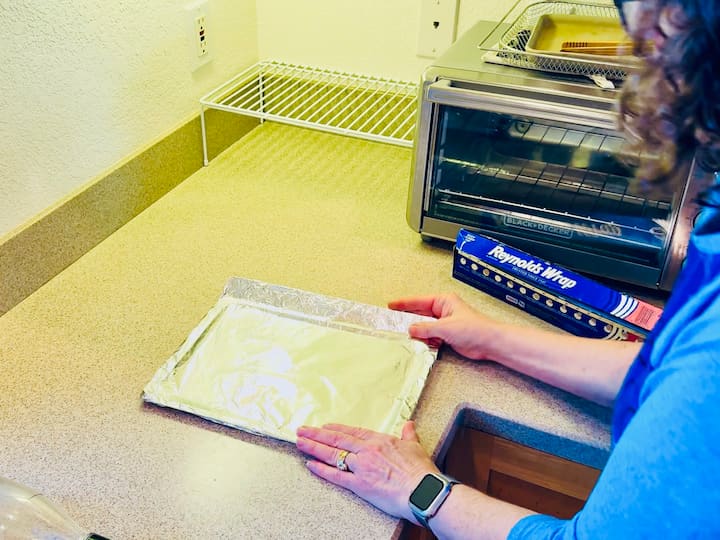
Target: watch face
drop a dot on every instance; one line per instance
(428, 488)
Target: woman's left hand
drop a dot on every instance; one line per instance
(383, 469)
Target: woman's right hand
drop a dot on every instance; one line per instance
(590, 368)
(458, 325)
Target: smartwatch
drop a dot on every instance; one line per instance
(429, 495)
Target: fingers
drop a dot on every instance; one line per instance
(333, 438)
(353, 431)
(428, 330)
(332, 474)
(422, 305)
(434, 306)
(327, 454)
(408, 432)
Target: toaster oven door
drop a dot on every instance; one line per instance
(560, 190)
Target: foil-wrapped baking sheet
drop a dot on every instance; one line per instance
(268, 359)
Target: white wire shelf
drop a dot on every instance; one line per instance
(367, 107)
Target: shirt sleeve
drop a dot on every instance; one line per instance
(661, 478)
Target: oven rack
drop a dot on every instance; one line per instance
(542, 181)
(368, 107)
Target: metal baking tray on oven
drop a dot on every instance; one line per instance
(553, 32)
(535, 32)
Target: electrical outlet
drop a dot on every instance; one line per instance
(201, 44)
(438, 23)
(198, 17)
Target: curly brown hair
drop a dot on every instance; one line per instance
(670, 109)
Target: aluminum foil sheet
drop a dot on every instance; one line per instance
(267, 359)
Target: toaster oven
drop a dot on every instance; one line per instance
(534, 160)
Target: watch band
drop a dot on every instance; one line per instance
(424, 515)
(422, 520)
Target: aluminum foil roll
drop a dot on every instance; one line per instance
(267, 359)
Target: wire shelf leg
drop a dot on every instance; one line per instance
(204, 135)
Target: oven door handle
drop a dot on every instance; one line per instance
(444, 93)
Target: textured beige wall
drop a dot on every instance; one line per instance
(84, 84)
(377, 37)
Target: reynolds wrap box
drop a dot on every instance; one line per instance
(568, 300)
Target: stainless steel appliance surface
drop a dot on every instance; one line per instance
(534, 159)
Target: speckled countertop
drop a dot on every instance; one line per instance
(284, 205)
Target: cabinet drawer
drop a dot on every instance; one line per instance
(517, 474)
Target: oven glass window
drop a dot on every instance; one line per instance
(552, 183)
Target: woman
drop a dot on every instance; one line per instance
(661, 477)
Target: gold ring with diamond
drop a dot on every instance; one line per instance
(340, 463)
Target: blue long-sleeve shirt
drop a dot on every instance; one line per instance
(662, 480)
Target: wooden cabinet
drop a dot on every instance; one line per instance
(514, 473)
